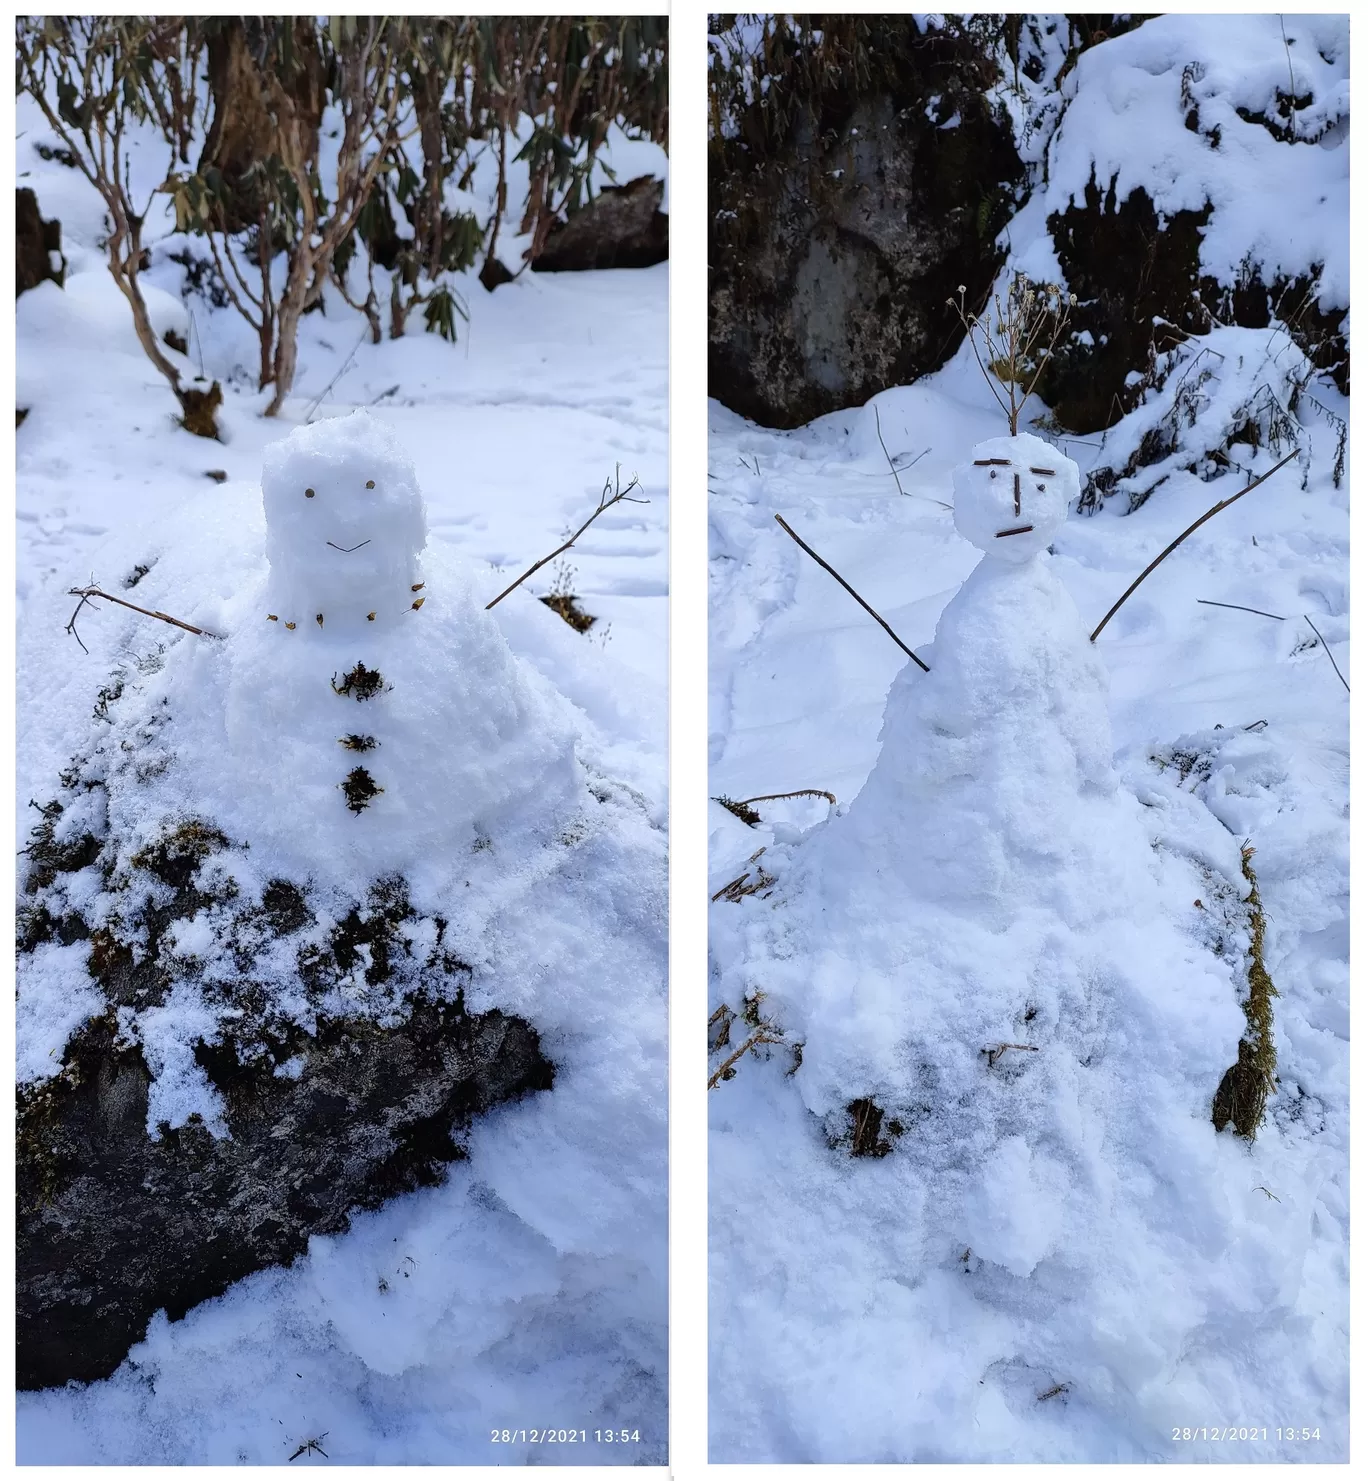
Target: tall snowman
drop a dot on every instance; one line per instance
(991, 960)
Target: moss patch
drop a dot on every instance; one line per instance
(1242, 1095)
(360, 682)
(360, 788)
(568, 609)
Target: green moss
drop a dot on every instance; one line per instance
(1242, 1096)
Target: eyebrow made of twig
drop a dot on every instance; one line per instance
(992, 462)
(1044, 472)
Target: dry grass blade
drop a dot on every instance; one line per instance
(891, 468)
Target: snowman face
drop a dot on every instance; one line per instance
(1013, 496)
(344, 520)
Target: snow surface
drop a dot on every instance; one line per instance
(992, 864)
(529, 1290)
(1038, 843)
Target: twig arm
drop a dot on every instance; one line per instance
(779, 519)
(87, 593)
(1170, 548)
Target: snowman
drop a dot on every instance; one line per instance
(991, 960)
(995, 769)
(370, 709)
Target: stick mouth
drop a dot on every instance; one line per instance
(347, 549)
(1015, 530)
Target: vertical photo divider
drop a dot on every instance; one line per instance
(688, 743)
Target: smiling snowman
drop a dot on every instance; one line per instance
(373, 707)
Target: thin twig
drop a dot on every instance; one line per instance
(760, 1036)
(1328, 653)
(1236, 607)
(996, 1051)
(833, 572)
(1169, 549)
(86, 593)
(318, 400)
(619, 494)
(779, 796)
(1291, 88)
(884, 445)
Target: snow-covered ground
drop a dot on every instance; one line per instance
(528, 1291)
(818, 1351)
(1056, 1259)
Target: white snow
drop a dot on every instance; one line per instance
(1038, 843)
(523, 776)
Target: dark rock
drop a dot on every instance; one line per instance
(623, 226)
(1136, 279)
(34, 242)
(114, 1226)
(323, 1115)
(1141, 292)
(844, 212)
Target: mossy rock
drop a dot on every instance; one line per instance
(114, 1225)
(322, 1111)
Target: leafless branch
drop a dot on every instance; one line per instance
(763, 1035)
(831, 571)
(884, 445)
(613, 493)
(1169, 549)
(779, 796)
(88, 593)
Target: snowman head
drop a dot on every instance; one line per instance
(1012, 496)
(344, 526)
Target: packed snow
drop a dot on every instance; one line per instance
(967, 1200)
(513, 765)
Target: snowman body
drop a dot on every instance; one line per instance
(988, 925)
(994, 778)
(371, 705)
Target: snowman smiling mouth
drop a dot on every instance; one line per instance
(347, 549)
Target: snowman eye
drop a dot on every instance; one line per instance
(1041, 487)
(370, 483)
(992, 473)
(308, 493)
